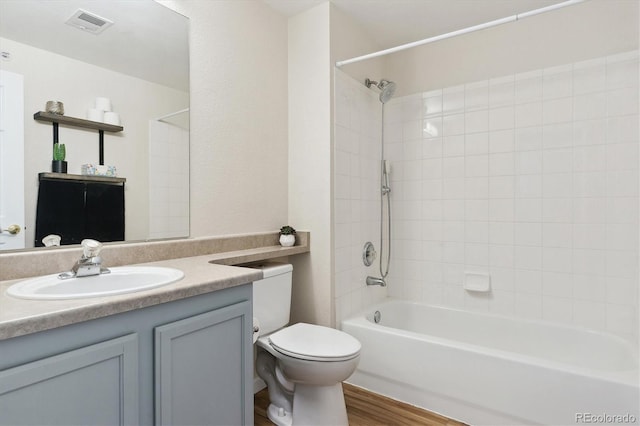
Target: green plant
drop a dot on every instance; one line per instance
(287, 230)
(59, 152)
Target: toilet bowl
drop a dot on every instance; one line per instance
(303, 364)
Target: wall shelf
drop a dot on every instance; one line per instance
(80, 123)
(76, 122)
(82, 178)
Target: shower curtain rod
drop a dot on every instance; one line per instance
(172, 114)
(489, 24)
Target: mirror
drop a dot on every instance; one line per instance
(140, 63)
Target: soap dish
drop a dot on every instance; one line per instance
(477, 282)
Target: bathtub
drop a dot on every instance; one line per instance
(486, 369)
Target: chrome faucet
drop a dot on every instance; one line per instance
(89, 264)
(376, 281)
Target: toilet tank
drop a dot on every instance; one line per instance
(272, 296)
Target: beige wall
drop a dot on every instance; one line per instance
(238, 116)
(579, 32)
(310, 161)
(317, 38)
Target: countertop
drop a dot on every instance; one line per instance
(19, 317)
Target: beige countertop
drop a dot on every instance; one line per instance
(204, 261)
(19, 317)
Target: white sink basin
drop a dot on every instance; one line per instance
(122, 279)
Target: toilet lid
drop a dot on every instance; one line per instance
(314, 342)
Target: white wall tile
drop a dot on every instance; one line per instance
(476, 121)
(557, 83)
(501, 141)
(532, 177)
(453, 146)
(528, 234)
(453, 100)
(476, 96)
(557, 235)
(501, 233)
(622, 74)
(589, 76)
(501, 118)
(476, 165)
(432, 104)
(589, 132)
(557, 110)
(589, 106)
(557, 135)
(622, 102)
(528, 87)
(501, 164)
(476, 143)
(501, 186)
(529, 114)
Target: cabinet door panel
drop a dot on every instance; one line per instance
(95, 385)
(201, 369)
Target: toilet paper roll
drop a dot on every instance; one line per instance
(112, 118)
(95, 114)
(256, 329)
(103, 104)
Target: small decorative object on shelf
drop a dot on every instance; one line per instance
(58, 165)
(55, 107)
(287, 236)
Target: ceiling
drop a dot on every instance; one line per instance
(391, 23)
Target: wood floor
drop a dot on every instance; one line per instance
(367, 409)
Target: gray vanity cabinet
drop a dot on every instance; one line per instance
(198, 361)
(189, 361)
(97, 385)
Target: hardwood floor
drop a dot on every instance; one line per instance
(365, 408)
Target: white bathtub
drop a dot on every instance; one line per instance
(485, 369)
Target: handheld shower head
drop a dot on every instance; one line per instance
(387, 88)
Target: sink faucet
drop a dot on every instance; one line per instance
(89, 264)
(376, 281)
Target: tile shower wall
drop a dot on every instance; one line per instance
(357, 153)
(169, 172)
(532, 178)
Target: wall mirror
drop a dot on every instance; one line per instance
(135, 53)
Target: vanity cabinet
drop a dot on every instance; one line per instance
(97, 384)
(197, 363)
(189, 361)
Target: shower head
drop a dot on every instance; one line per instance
(387, 88)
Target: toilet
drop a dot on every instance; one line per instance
(302, 364)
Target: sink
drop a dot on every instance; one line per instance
(122, 279)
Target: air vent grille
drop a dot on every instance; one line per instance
(89, 22)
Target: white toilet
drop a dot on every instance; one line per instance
(302, 364)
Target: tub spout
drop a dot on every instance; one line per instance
(376, 281)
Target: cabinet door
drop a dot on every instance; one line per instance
(204, 368)
(94, 385)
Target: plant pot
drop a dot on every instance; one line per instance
(58, 166)
(287, 240)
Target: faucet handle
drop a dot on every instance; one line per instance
(91, 248)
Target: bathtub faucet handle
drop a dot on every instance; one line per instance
(376, 281)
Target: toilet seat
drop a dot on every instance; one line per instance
(315, 343)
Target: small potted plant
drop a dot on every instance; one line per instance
(58, 165)
(287, 236)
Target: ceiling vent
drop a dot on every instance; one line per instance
(89, 22)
